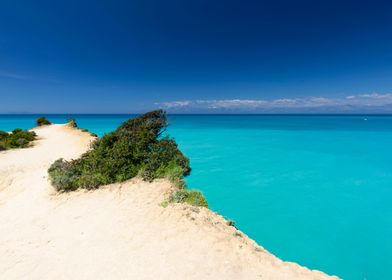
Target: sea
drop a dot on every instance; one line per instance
(311, 189)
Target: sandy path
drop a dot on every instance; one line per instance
(117, 232)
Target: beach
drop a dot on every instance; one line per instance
(120, 231)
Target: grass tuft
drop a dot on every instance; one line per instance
(192, 197)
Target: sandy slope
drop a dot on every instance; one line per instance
(117, 232)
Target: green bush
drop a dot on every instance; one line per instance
(87, 131)
(62, 174)
(18, 138)
(42, 121)
(137, 147)
(3, 135)
(191, 197)
(72, 122)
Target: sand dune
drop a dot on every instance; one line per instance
(116, 232)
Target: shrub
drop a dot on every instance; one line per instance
(63, 175)
(42, 121)
(191, 197)
(3, 135)
(72, 122)
(137, 147)
(18, 138)
(87, 131)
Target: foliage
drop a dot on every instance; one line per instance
(42, 121)
(89, 132)
(72, 122)
(18, 138)
(135, 148)
(191, 197)
(63, 175)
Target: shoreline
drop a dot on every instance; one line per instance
(118, 230)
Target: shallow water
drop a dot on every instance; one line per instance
(316, 190)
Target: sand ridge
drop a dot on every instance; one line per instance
(116, 232)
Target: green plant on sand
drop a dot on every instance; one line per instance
(18, 138)
(191, 197)
(89, 132)
(136, 148)
(42, 121)
(72, 123)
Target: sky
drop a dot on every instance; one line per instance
(229, 56)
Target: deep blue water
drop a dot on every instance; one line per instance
(316, 190)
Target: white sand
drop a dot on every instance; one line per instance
(116, 232)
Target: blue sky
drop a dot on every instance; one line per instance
(195, 56)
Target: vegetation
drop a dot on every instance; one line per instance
(191, 197)
(88, 131)
(42, 121)
(72, 123)
(18, 138)
(137, 147)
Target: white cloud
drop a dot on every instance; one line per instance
(314, 103)
(230, 103)
(174, 104)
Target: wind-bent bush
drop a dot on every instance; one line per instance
(18, 138)
(42, 121)
(137, 147)
(72, 123)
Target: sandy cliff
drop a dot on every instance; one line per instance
(116, 232)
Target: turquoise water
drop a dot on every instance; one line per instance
(316, 190)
